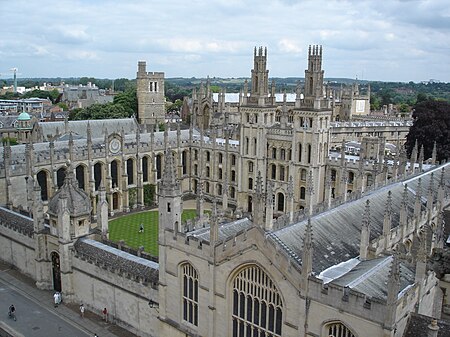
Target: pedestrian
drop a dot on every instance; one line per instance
(56, 299)
(95, 335)
(82, 310)
(12, 311)
(105, 314)
(141, 228)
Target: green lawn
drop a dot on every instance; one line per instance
(127, 228)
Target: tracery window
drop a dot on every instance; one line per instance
(190, 294)
(337, 329)
(257, 305)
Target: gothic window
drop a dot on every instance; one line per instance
(250, 166)
(233, 175)
(369, 180)
(233, 160)
(351, 176)
(158, 164)
(156, 86)
(190, 294)
(274, 171)
(207, 171)
(299, 152)
(207, 187)
(232, 192)
(42, 181)
(302, 193)
(220, 173)
(195, 169)
(150, 86)
(283, 154)
(130, 171)
(274, 153)
(303, 175)
(255, 146)
(195, 155)
(280, 202)
(79, 173)
(255, 118)
(220, 158)
(309, 153)
(248, 118)
(337, 329)
(219, 189)
(114, 174)
(289, 154)
(184, 162)
(246, 145)
(98, 175)
(250, 183)
(250, 204)
(208, 156)
(60, 176)
(257, 306)
(144, 169)
(282, 173)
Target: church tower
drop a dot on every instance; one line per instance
(150, 95)
(314, 77)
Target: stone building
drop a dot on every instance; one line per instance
(300, 242)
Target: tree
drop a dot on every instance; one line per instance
(128, 100)
(431, 124)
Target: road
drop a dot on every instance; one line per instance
(33, 319)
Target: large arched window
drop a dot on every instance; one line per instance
(79, 173)
(60, 176)
(144, 169)
(337, 329)
(42, 181)
(190, 294)
(115, 174)
(257, 304)
(130, 171)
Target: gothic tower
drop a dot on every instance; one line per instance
(314, 76)
(150, 95)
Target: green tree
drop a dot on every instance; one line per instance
(128, 100)
(431, 124)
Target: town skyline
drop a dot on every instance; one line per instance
(402, 40)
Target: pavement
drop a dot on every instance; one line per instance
(37, 316)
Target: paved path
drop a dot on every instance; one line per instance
(37, 316)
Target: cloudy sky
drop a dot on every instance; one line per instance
(389, 40)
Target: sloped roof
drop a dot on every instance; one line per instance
(418, 326)
(225, 231)
(336, 233)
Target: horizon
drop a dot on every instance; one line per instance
(393, 41)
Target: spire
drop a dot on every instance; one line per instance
(421, 155)
(393, 281)
(214, 227)
(430, 199)
(169, 179)
(404, 207)
(387, 215)
(434, 154)
(365, 233)
(310, 192)
(307, 251)
(418, 199)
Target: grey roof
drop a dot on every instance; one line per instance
(418, 326)
(129, 125)
(115, 259)
(226, 230)
(370, 277)
(16, 221)
(336, 233)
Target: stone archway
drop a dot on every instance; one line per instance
(56, 271)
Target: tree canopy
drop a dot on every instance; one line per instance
(431, 124)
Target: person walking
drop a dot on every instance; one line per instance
(82, 310)
(105, 314)
(56, 299)
(141, 228)
(12, 312)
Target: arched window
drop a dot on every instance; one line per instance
(183, 162)
(220, 173)
(280, 207)
(274, 171)
(300, 152)
(42, 181)
(145, 169)
(220, 158)
(337, 329)
(303, 175)
(98, 175)
(232, 192)
(257, 305)
(302, 193)
(255, 146)
(114, 174)
(233, 160)
(281, 173)
(309, 153)
(250, 166)
(250, 183)
(333, 175)
(207, 187)
(207, 171)
(60, 176)
(158, 164)
(208, 156)
(351, 177)
(246, 145)
(233, 175)
(79, 173)
(283, 154)
(130, 171)
(190, 294)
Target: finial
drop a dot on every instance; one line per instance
(366, 216)
(310, 184)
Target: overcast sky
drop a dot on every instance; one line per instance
(388, 40)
